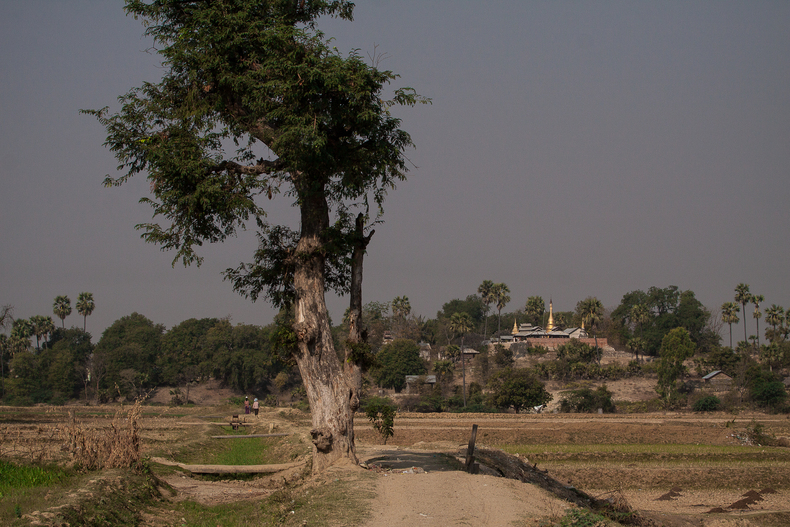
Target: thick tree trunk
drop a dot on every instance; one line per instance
(331, 392)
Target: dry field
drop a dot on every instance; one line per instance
(674, 468)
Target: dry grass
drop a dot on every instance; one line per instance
(97, 448)
(32, 443)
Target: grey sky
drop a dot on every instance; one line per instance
(572, 149)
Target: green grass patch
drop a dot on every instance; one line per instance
(28, 476)
(242, 451)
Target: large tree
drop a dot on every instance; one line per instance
(518, 389)
(305, 121)
(676, 347)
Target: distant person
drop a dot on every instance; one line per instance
(246, 405)
(255, 406)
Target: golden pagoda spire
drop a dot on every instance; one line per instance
(550, 325)
(515, 328)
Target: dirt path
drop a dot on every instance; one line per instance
(426, 488)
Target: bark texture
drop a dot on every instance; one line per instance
(332, 388)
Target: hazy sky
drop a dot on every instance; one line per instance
(572, 149)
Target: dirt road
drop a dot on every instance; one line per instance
(427, 488)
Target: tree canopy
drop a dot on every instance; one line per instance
(397, 360)
(518, 389)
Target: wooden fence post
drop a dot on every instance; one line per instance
(470, 465)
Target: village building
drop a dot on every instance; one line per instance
(718, 381)
(425, 350)
(551, 337)
(413, 382)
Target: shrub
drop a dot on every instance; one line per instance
(380, 411)
(769, 394)
(586, 400)
(709, 403)
(517, 388)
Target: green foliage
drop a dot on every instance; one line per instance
(360, 354)
(562, 370)
(503, 356)
(395, 361)
(709, 403)
(517, 389)
(259, 74)
(720, 358)
(52, 375)
(576, 351)
(380, 411)
(243, 355)
(131, 343)
(183, 347)
(14, 476)
(62, 308)
(651, 315)
(676, 347)
(767, 391)
(473, 306)
(586, 400)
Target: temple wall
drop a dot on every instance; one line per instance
(552, 344)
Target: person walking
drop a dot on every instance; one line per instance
(246, 405)
(255, 406)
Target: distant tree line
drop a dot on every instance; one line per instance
(135, 355)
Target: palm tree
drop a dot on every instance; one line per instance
(774, 316)
(42, 326)
(21, 331)
(62, 308)
(501, 297)
(640, 315)
(461, 324)
(535, 308)
(85, 307)
(729, 315)
(743, 297)
(635, 344)
(486, 292)
(591, 312)
(756, 299)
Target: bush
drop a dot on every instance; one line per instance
(586, 400)
(709, 403)
(517, 388)
(380, 411)
(769, 394)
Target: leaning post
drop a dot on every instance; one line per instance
(470, 465)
